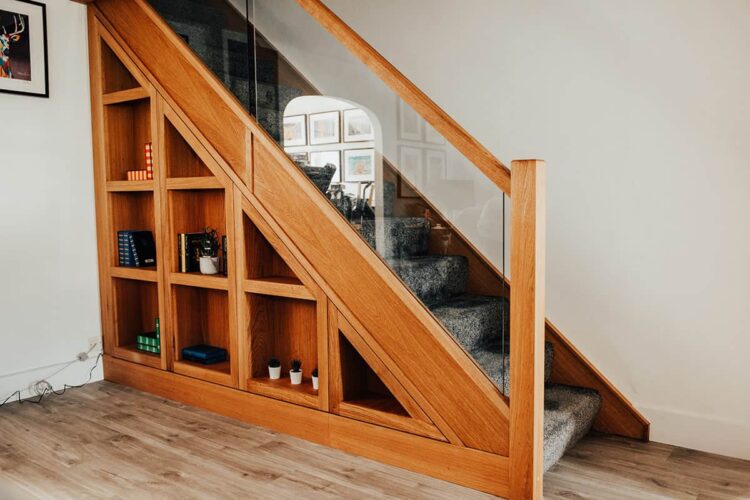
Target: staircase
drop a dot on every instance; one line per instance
(442, 354)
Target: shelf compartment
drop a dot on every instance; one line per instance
(182, 160)
(115, 76)
(136, 309)
(261, 259)
(286, 329)
(201, 316)
(129, 186)
(131, 353)
(302, 394)
(128, 129)
(216, 282)
(194, 183)
(193, 210)
(127, 95)
(131, 211)
(135, 273)
(279, 286)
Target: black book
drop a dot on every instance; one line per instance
(188, 251)
(143, 248)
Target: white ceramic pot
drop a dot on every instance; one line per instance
(274, 372)
(315, 383)
(296, 377)
(209, 265)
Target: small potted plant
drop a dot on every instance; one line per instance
(315, 379)
(295, 374)
(274, 369)
(209, 252)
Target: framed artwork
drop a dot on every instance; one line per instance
(323, 158)
(410, 167)
(295, 131)
(359, 165)
(435, 164)
(432, 136)
(410, 124)
(325, 128)
(357, 126)
(301, 158)
(23, 48)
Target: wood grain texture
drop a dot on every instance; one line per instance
(478, 413)
(121, 96)
(108, 440)
(527, 329)
(460, 465)
(411, 94)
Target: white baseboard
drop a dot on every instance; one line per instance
(699, 432)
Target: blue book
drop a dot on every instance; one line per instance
(206, 354)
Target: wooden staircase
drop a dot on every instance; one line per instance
(394, 385)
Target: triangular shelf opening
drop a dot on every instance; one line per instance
(263, 261)
(182, 160)
(115, 76)
(363, 388)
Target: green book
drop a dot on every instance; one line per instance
(148, 348)
(149, 339)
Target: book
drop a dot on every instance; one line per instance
(136, 248)
(188, 252)
(149, 156)
(149, 339)
(205, 354)
(148, 348)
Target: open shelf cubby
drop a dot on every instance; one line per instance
(128, 128)
(286, 329)
(181, 160)
(131, 211)
(262, 262)
(115, 76)
(201, 316)
(191, 211)
(361, 386)
(136, 309)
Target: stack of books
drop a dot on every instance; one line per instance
(188, 252)
(150, 341)
(205, 354)
(136, 248)
(148, 173)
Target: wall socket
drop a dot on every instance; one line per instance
(94, 342)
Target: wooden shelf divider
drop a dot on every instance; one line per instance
(135, 273)
(130, 353)
(278, 286)
(128, 95)
(194, 183)
(218, 373)
(129, 186)
(282, 389)
(215, 282)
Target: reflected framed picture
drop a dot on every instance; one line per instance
(325, 128)
(357, 126)
(410, 124)
(295, 130)
(435, 164)
(410, 166)
(323, 158)
(359, 165)
(23, 48)
(432, 136)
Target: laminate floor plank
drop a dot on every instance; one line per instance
(111, 441)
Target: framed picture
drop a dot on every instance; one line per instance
(435, 164)
(295, 131)
(23, 48)
(410, 167)
(432, 136)
(410, 124)
(324, 128)
(357, 126)
(323, 158)
(301, 158)
(359, 165)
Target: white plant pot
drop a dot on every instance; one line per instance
(315, 383)
(296, 377)
(209, 265)
(274, 372)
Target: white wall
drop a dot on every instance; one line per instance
(49, 301)
(642, 111)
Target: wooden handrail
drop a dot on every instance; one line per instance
(411, 94)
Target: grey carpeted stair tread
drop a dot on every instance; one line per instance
(474, 320)
(569, 413)
(403, 236)
(433, 278)
(494, 359)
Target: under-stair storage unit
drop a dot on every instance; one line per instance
(298, 282)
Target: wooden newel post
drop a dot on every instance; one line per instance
(528, 182)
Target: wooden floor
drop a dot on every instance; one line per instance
(111, 441)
